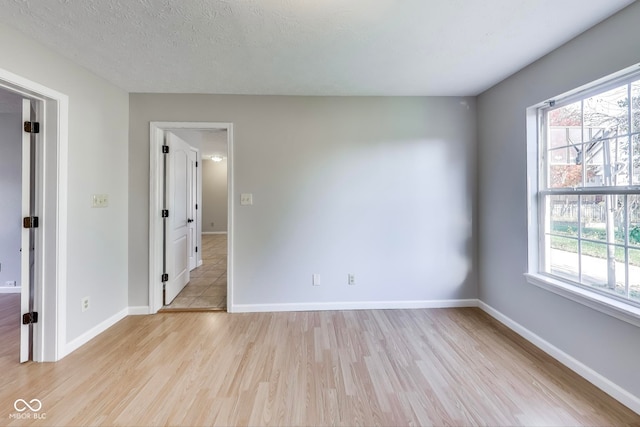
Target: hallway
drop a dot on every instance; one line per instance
(207, 289)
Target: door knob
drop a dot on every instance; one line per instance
(189, 220)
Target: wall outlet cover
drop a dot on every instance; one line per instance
(99, 200)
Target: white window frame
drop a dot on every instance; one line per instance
(623, 309)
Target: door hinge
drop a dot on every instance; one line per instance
(196, 164)
(165, 149)
(165, 213)
(196, 206)
(165, 277)
(29, 318)
(30, 222)
(32, 127)
(196, 249)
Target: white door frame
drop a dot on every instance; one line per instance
(28, 237)
(49, 334)
(156, 134)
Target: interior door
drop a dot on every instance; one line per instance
(193, 198)
(28, 236)
(178, 187)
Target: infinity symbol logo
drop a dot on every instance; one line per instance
(21, 405)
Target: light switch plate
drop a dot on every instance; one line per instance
(246, 199)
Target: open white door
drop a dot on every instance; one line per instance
(27, 246)
(180, 162)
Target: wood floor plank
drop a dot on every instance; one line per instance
(386, 367)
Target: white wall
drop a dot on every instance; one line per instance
(214, 196)
(379, 187)
(98, 163)
(605, 344)
(10, 196)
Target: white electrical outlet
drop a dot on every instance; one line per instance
(85, 304)
(315, 280)
(10, 283)
(99, 200)
(246, 199)
(351, 279)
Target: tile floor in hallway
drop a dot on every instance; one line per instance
(207, 289)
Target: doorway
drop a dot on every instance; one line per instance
(43, 195)
(11, 280)
(209, 285)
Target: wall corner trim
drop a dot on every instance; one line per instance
(73, 345)
(612, 389)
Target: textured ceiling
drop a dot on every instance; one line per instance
(305, 47)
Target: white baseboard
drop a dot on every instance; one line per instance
(138, 310)
(214, 232)
(352, 305)
(603, 383)
(73, 345)
(10, 290)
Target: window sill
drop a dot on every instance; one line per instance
(612, 307)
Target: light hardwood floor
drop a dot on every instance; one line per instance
(207, 289)
(9, 330)
(387, 367)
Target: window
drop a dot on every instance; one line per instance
(587, 200)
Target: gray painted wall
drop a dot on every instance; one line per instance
(11, 196)
(214, 196)
(379, 187)
(607, 345)
(98, 163)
